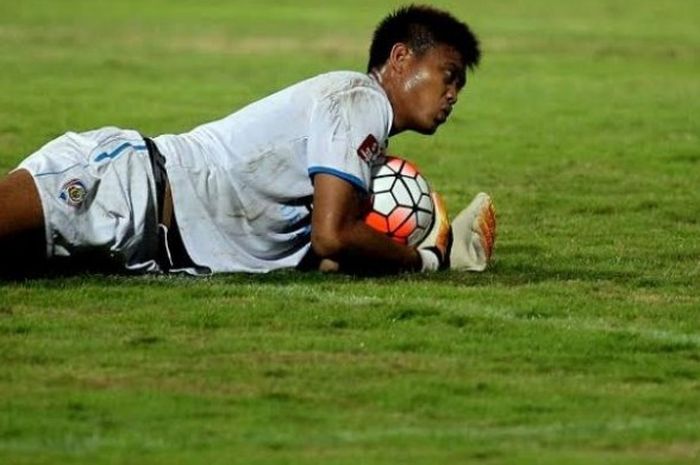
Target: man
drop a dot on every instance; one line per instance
(281, 183)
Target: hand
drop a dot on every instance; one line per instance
(439, 240)
(475, 233)
(328, 266)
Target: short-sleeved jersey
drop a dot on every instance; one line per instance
(242, 186)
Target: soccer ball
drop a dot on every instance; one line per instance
(401, 206)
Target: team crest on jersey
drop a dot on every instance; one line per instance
(73, 192)
(369, 148)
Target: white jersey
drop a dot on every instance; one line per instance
(242, 186)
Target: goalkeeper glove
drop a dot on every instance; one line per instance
(434, 250)
(474, 235)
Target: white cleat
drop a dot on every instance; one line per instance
(474, 234)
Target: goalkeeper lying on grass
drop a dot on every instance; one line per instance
(280, 183)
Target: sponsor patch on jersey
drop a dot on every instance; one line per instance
(369, 148)
(73, 192)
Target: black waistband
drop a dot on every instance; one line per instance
(159, 174)
(172, 254)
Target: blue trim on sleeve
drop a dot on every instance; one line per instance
(118, 150)
(354, 180)
(50, 173)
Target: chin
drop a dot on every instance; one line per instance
(427, 130)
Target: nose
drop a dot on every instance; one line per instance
(452, 94)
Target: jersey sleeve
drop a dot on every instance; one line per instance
(348, 130)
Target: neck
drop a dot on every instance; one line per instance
(383, 78)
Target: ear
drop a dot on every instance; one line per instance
(399, 56)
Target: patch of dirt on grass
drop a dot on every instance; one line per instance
(676, 450)
(224, 44)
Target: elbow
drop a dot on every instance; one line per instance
(326, 243)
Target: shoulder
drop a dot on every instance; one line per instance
(339, 84)
(352, 95)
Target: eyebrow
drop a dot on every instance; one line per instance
(460, 73)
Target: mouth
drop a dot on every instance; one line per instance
(444, 114)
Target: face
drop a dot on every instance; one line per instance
(429, 86)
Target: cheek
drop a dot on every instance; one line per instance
(424, 89)
(416, 82)
(423, 93)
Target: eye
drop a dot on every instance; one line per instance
(450, 76)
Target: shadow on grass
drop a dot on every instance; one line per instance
(515, 265)
(503, 272)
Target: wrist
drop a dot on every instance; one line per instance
(430, 259)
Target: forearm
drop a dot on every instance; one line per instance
(366, 244)
(359, 247)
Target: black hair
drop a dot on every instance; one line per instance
(422, 27)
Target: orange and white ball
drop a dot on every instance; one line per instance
(401, 204)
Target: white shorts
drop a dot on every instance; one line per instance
(99, 197)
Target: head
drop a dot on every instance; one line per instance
(421, 55)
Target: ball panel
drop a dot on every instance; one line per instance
(378, 222)
(424, 219)
(384, 203)
(401, 194)
(383, 184)
(423, 184)
(398, 217)
(394, 164)
(406, 228)
(414, 189)
(426, 204)
(417, 236)
(409, 170)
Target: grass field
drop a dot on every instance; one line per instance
(580, 345)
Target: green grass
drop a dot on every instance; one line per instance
(581, 345)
